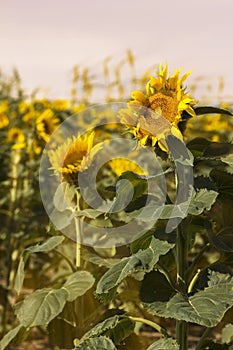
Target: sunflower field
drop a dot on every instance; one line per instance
(116, 218)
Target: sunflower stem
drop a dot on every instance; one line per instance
(78, 244)
(182, 264)
(151, 324)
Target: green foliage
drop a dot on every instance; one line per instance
(143, 260)
(100, 343)
(117, 328)
(9, 337)
(206, 307)
(164, 344)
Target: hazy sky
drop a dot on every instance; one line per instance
(46, 38)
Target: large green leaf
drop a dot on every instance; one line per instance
(206, 307)
(9, 337)
(143, 260)
(117, 328)
(100, 343)
(41, 307)
(164, 344)
(78, 283)
(47, 246)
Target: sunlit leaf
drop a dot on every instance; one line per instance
(206, 307)
(143, 260)
(47, 246)
(9, 337)
(78, 283)
(19, 278)
(164, 344)
(100, 343)
(202, 200)
(227, 333)
(40, 307)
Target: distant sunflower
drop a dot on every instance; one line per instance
(46, 123)
(121, 165)
(166, 96)
(4, 121)
(16, 137)
(74, 156)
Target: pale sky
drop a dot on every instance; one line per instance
(46, 38)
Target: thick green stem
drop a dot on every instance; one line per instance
(202, 339)
(78, 244)
(182, 264)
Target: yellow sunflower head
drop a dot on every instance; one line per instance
(74, 156)
(121, 165)
(4, 121)
(16, 137)
(166, 95)
(46, 123)
(165, 101)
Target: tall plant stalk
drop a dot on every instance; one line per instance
(14, 176)
(182, 265)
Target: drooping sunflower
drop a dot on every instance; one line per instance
(74, 156)
(168, 99)
(46, 123)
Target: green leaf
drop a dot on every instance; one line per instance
(41, 307)
(62, 219)
(117, 328)
(202, 200)
(78, 284)
(143, 260)
(100, 343)
(47, 246)
(227, 333)
(9, 337)
(229, 161)
(139, 184)
(155, 287)
(198, 145)
(20, 275)
(63, 197)
(206, 307)
(164, 344)
(217, 149)
(223, 181)
(211, 110)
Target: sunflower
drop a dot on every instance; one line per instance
(61, 105)
(46, 123)
(4, 121)
(74, 156)
(16, 137)
(166, 101)
(121, 165)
